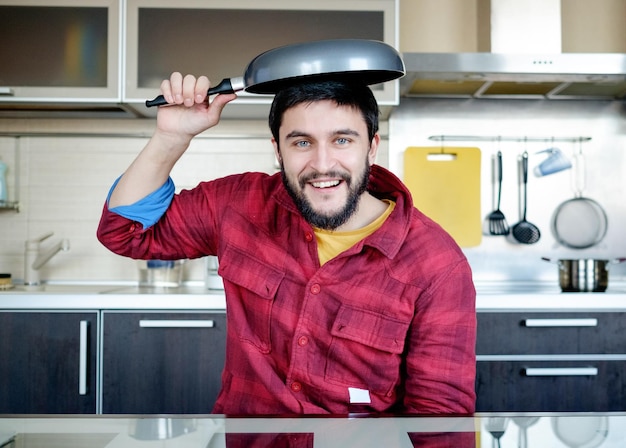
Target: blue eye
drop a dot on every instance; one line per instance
(302, 144)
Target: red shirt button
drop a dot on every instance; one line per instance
(308, 237)
(296, 386)
(315, 289)
(302, 341)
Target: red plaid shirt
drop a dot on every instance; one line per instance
(392, 319)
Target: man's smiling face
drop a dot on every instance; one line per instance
(325, 157)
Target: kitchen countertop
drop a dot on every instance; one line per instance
(491, 296)
(548, 430)
(87, 297)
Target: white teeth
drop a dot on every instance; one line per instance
(328, 183)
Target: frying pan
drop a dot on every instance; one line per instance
(366, 61)
(580, 222)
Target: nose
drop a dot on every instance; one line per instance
(322, 158)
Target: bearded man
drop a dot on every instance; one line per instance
(341, 296)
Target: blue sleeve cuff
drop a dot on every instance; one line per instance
(149, 209)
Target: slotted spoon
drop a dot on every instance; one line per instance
(496, 221)
(525, 232)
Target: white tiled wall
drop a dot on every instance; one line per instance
(498, 258)
(63, 181)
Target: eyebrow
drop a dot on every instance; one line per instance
(296, 133)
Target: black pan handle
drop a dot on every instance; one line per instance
(227, 85)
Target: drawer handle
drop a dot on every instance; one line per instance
(561, 371)
(82, 358)
(176, 323)
(560, 322)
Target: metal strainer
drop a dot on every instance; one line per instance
(580, 222)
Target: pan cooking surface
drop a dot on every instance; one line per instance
(355, 60)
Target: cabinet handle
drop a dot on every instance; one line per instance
(176, 324)
(560, 322)
(82, 358)
(560, 371)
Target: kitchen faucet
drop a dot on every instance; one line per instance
(34, 259)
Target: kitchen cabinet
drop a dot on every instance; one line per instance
(551, 361)
(110, 56)
(49, 362)
(161, 362)
(59, 51)
(220, 38)
(458, 26)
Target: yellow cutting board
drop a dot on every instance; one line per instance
(445, 185)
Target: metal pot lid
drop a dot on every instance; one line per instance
(367, 61)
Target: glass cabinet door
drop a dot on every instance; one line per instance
(59, 50)
(219, 38)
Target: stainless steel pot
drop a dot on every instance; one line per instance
(584, 275)
(366, 61)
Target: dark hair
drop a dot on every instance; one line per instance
(356, 95)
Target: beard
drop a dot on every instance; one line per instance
(330, 220)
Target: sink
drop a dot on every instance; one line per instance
(108, 288)
(158, 290)
(60, 289)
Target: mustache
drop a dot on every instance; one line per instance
(311, 177)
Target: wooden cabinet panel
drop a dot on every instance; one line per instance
(507, 386)
(454, 26)
(162, 363)
(523, 333)
(41, 370)
(551, 361)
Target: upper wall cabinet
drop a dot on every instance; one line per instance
(59, 51)
(91, 57)
(219, 38)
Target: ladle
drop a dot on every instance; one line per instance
(524, 423)
(525, 232)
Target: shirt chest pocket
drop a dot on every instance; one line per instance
(252, 287)
(366, 350)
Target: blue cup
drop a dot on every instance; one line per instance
(556, 161)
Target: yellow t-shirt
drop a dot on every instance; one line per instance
(331, 243)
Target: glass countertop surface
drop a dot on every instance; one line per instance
(483, 430)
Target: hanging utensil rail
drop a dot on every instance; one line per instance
(503, 138)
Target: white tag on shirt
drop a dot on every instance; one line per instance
(357, 395)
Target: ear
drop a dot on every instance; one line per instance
(276, 149)
(373, 151)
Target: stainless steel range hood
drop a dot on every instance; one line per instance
(491, 75)
(511, 71)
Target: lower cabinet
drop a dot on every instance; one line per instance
(551, 361)
(49, 362)
(554, 386)
(161, 362)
